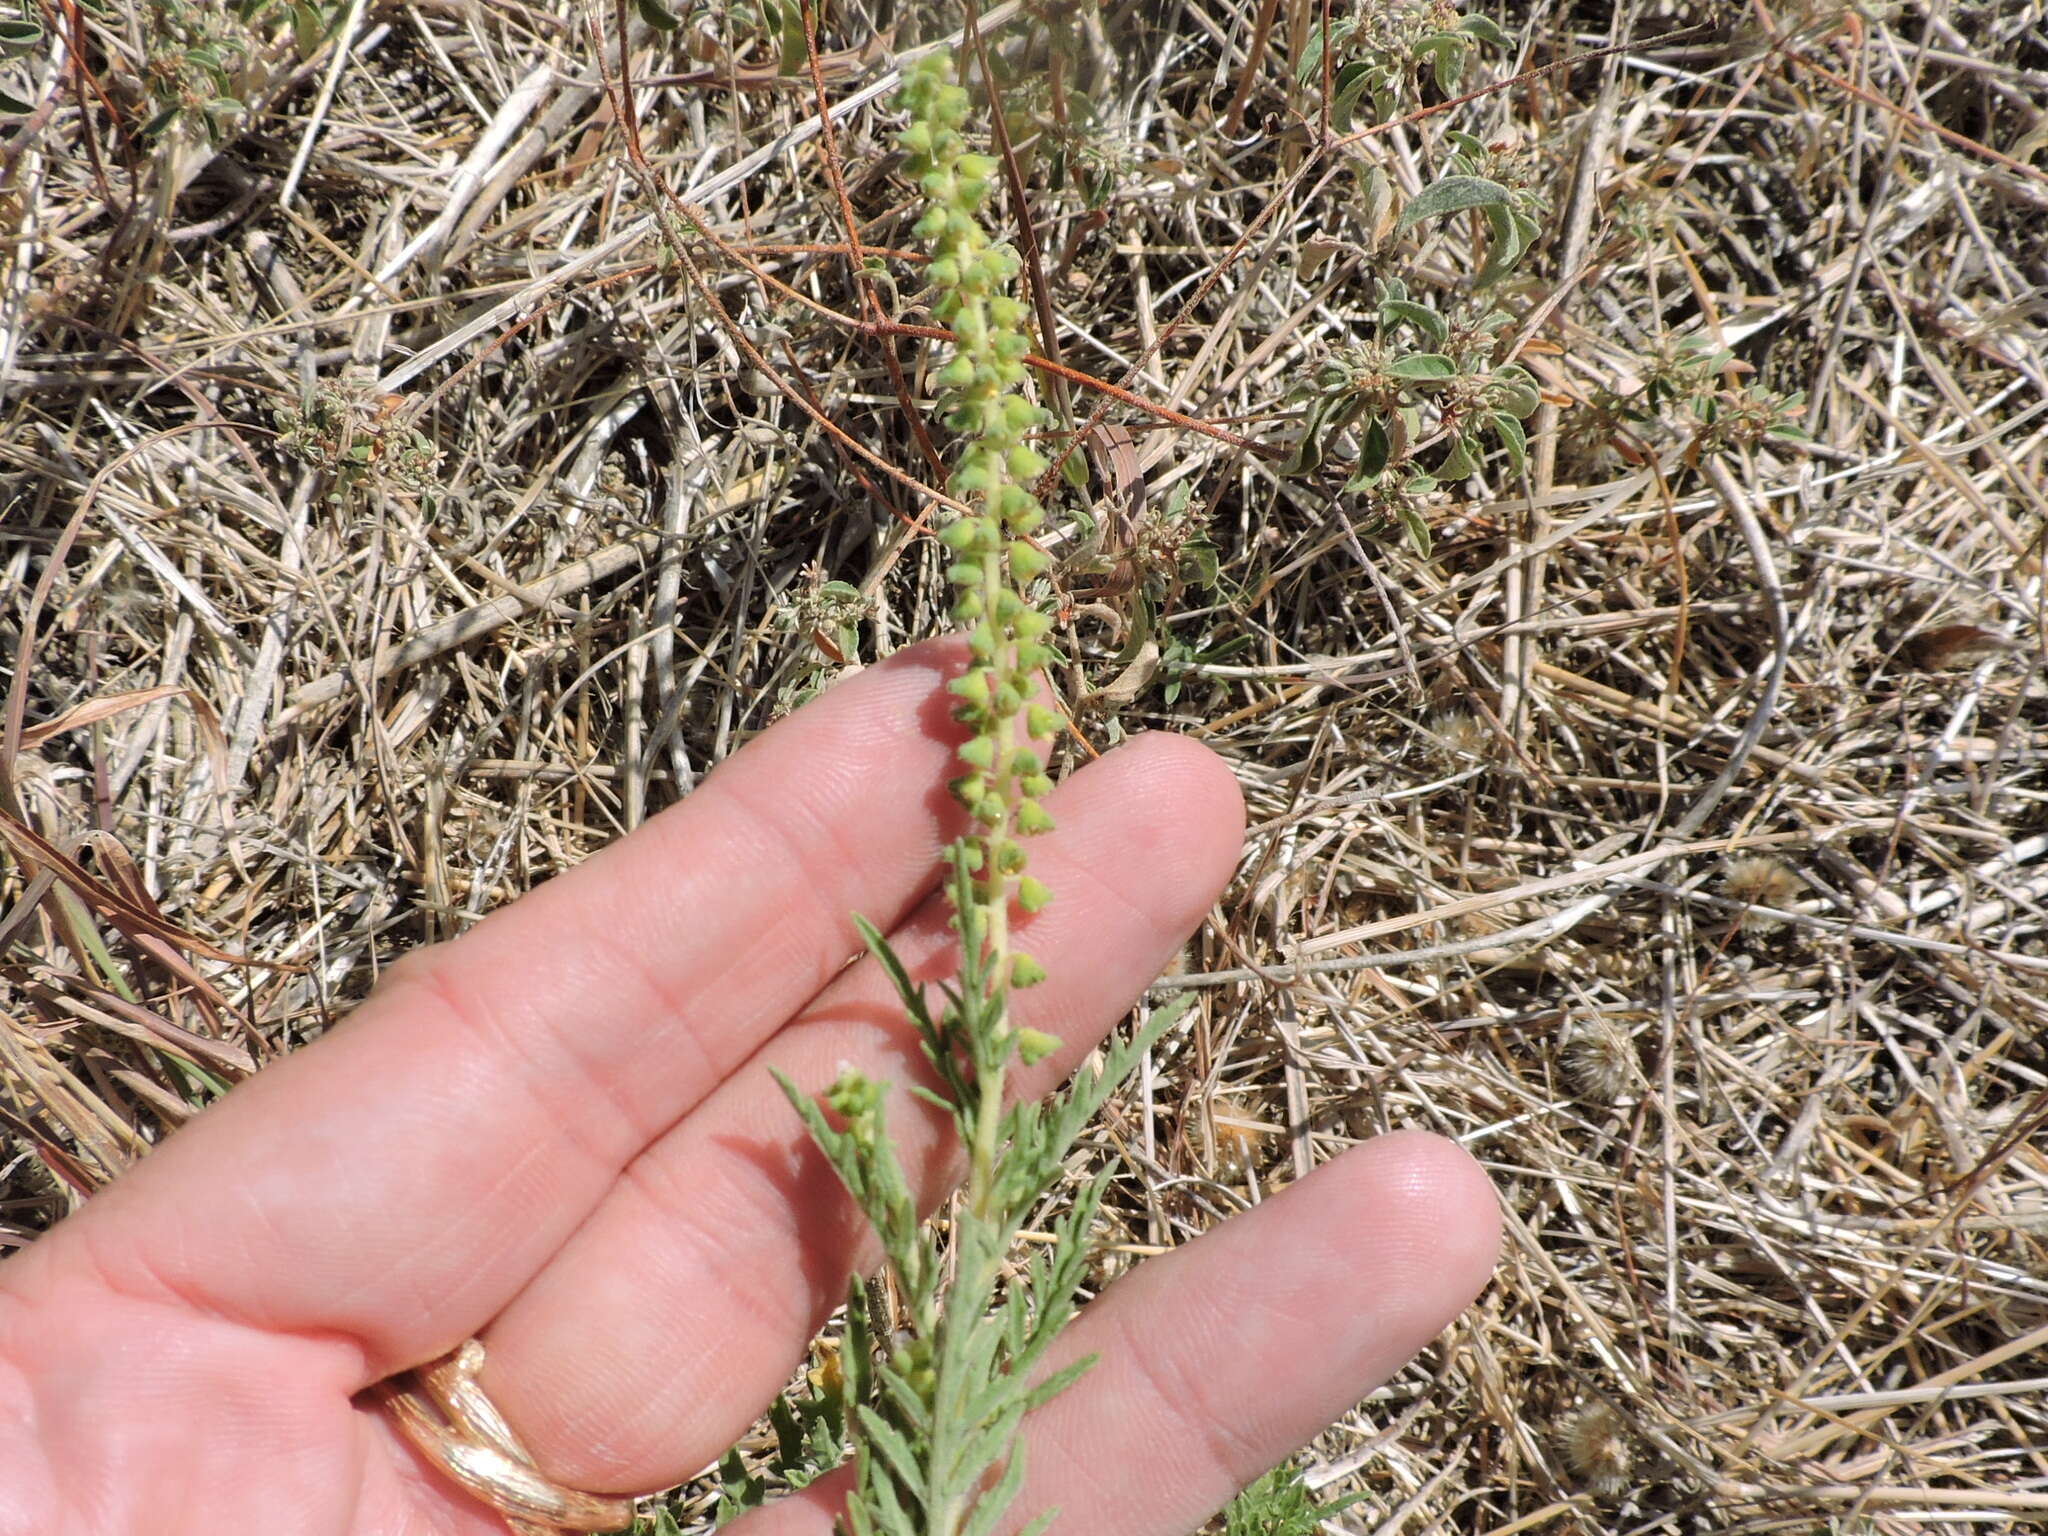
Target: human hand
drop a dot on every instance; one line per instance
(559, 1133)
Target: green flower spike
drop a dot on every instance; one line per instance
(933, 1419)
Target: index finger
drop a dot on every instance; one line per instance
(397, 1181)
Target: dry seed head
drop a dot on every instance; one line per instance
(1460, 736)
(1597, 1449)
(1600, 1060)
(1760, 881)
(1238, 1144)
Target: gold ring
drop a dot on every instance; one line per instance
(444, 1412)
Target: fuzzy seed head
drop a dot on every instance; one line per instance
(1600, 1060)
(1759, 878)
(1760, 881)
(1460, 736)
(1597, 1448)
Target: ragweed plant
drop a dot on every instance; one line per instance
(933, 1410)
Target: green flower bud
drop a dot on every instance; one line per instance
(1024, 761)
(972, 686)
(981, 643)
(1027, 560)
(1031, 656)
(957, 374)
(978, 752)
(930, 224)
(1010, 345)
(967, 607)
(970, 789)
(1042, 723)
(1037, 786)
(1025, 971)
(944, 273)
(1032, 819)
(1009, 699)
(1022, 414)
(854, 1096)
(1032, 895)
(1030, 624)
(964, 536)
(989, 810)
(1034, 1045)
(1026, 462)
(1008, 606)
(1011, 858)
(1005, 312)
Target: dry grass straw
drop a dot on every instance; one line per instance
(1675, 838)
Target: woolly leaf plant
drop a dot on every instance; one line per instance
(933, 1411)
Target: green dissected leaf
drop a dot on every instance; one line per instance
(890, 1444)
(1058, 1382)
(1508, 428)
(989, 1508)
(1453, 194)
(1422, 366)
(910, 992)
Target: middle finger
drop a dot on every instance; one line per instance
(651, 1340)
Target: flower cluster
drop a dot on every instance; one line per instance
(993, 557)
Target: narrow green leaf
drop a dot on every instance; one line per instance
(1508, 429)
(1308, 448)
(1373, 451)
(1416, 528)
(657, 16)
(990, 1507)
(889, 1442)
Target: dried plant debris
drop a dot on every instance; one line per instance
(1589, 517)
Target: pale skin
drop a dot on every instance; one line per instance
(559, 1133)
